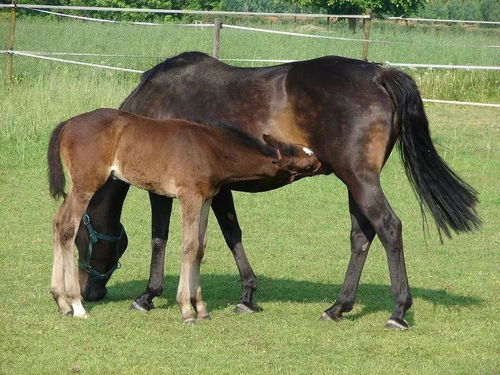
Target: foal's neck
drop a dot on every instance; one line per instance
(245, 162)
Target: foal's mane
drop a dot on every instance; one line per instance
(247, 139)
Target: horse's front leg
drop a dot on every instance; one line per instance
(223, 207)
(161, 209)
(194, 213)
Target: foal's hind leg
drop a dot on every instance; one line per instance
(64, 270)
(372, 202)
(362, 234)
(223, 207)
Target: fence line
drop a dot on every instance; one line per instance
(443, 66)
(461, 103)
(226, 26)
(388, 63)
(344, 39)
(142, 71)
(441, 20)
(74, 62)
(52, 53)
(95, 19)
(289, 33)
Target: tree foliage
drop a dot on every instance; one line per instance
(484, 10)
(386, 7)
(488, 10)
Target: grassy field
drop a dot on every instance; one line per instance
(296, 238)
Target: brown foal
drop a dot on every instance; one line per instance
(174, 158)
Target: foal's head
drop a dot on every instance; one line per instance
(297, 160)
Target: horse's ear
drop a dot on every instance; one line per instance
(273, 142)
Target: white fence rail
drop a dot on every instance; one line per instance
(236, 27)
(26, 54)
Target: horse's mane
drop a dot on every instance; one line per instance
(177, 61)
(185, 58)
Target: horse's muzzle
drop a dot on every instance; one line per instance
(94, 291)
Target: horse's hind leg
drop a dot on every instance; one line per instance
(194, 212)
(161, 208)
(223, 207)
(362, 234)
(66, 224)
(373, 204)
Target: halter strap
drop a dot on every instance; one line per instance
(94, 237)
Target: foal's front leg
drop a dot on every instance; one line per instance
(194, 212)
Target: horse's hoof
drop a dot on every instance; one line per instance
(326, 316)
(206, 317)
(136, 307)
(247, 308)
(189, 321)
(397, 325)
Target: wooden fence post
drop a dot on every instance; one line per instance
(217, 27)
(10, 43)
(367, 25)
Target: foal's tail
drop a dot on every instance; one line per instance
(450, 199)
(55, 168)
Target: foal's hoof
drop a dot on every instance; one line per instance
(247, 308)
(206, 317)
(189, 321)
(326, 316)
(80, 315)
(147, 307)
(397, 325)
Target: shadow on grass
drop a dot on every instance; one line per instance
(222, 290)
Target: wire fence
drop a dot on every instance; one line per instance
(49, 55)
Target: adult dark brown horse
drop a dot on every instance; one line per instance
(173, 158)
(349, 112)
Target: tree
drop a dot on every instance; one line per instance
(385, 7)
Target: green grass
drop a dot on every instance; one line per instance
(296, 238)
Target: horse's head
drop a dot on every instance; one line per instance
(98, 258)
(299, 161)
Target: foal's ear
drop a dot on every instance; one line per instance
(271, 141)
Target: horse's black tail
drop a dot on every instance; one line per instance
(450, 200)
(55, 168)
